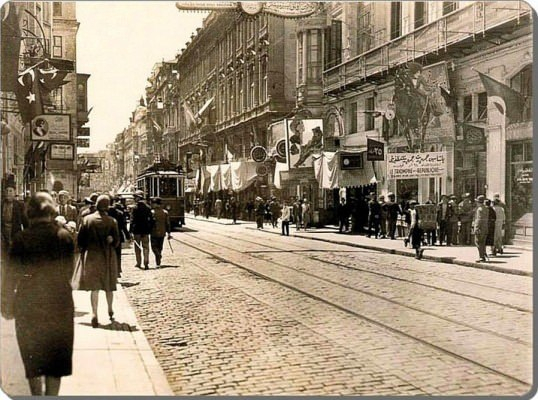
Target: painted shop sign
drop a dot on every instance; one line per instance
(524, 175)
(416, 165)
(52, 127)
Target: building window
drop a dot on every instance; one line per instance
(57, 9)
(449, 6)
(369, 123)
(46, 12)
(333, 44)
(482, 105)
(57, 47)
(300, 66)
(420, 14)
(353, 116)
(364, 32)
(522, 82)
(314, 56)
(263, 80)
(468, 108)
(395, 19)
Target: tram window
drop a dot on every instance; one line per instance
(167, 187)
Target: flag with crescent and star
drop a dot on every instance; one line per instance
(35, 83)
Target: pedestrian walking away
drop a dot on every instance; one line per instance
(161, 229)
(480, 226)
(233, 209)
(383, 217)
(97, 239)
(140, 227)
(115, 212)
(40, 267)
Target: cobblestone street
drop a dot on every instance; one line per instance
(240, 312)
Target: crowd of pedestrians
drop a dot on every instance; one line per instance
(454, 221)
(52, 245)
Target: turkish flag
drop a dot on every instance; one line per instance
(28, 92)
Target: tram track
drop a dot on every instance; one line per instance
(210, 246)
(304, 252)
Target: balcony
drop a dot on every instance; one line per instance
(451, 32)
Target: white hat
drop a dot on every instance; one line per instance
(61, 219)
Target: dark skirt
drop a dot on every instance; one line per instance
(45, 334)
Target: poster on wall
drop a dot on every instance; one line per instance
(304, 139)
(52, 127)
(416, 165)
(62, 151)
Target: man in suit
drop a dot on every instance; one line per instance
(444, 214)
(466, 210)
(13, 217)
(141, 225)
(161, 228)
(393, 210)
(374, 215)
(480, 225)
(64, 209)
(343, 216)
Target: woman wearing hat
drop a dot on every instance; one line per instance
(97, 239)
(40, 267)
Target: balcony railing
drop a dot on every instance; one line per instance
(462, 24)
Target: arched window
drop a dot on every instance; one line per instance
(522, 82)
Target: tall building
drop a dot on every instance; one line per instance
(481, 123)
(41, 95)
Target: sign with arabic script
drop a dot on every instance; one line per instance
(416, 165)
(287, 9)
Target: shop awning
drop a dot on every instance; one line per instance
(329, 174)
(243, 174)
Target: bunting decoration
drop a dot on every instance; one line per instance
(515, 102)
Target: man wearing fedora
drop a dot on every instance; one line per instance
(465, 211)
(142, 223)
(480, 226)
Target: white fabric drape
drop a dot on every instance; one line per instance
(226, 177)
(326, 169)
(243, 173)
(278, 168)
(214, 173)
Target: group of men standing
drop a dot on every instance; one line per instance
(455, 223)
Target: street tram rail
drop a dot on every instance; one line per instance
(211, 246)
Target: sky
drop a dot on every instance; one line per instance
(118, 43)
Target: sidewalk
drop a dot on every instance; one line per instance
(514, 260)
(112, 360)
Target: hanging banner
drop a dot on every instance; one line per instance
(416, 165)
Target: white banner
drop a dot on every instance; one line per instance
(416, 165)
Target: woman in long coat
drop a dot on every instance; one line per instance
(40, 269)
(97, 239)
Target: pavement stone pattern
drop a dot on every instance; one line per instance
(218, 329)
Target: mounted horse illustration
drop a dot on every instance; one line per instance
(419, 101)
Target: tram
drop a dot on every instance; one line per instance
(164, 181)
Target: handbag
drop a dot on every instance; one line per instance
(77, 273)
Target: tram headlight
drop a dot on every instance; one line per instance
(168, 207)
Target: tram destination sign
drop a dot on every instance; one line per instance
(416, 165)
